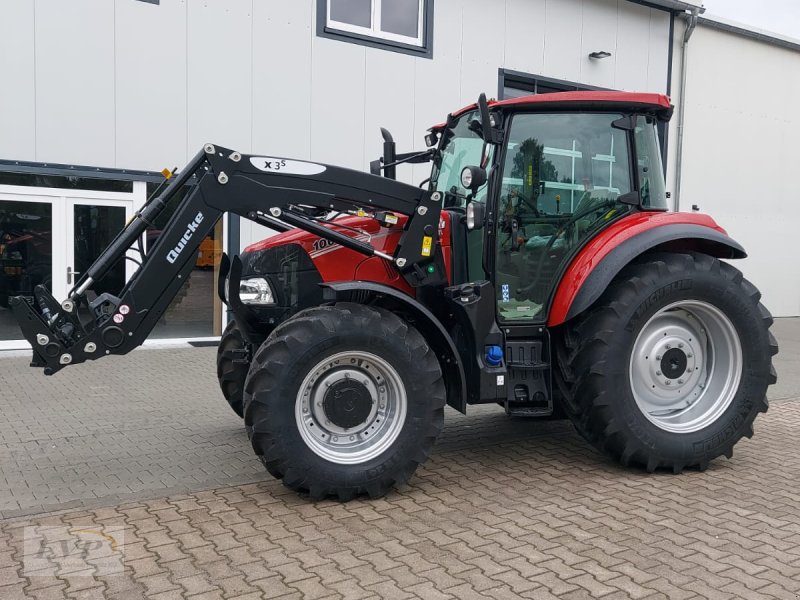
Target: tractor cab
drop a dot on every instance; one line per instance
(548, 180)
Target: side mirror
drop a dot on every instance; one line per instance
(472, 178)
(476, 212)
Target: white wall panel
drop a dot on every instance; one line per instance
(389, 103)
(562, 52)
(437, 82)
(75, 82)
(658, 52)
(526, 22)
(599, 33)
(151, 85)
(482, 51)
(633, 41)
(282, 40)
(740, 155)
(18, 88)
(338, 103)
(219, 83)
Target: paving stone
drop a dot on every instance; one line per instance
(505, 508)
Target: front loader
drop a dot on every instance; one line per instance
(538, 267)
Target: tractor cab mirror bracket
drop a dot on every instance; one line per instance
(632, 198)
(489, 130)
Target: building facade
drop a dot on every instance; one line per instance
(100, 95)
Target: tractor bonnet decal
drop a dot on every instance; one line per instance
(284, 165)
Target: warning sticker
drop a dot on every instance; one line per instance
(427, 245)
(124, 309)
(118, 318)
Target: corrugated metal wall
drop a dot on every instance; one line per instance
(121, 83)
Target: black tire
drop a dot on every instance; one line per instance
(231, 366)
(595, 361)
(299, 346)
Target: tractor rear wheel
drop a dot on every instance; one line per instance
(232, 366)
(670, 368)
(344, 400)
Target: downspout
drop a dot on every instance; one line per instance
(692, 23)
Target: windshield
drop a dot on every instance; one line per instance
(462, 148)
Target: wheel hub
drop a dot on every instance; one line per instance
(673, 364)
(685, 366)
(347, 403)
(351, 407)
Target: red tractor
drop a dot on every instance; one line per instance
(538, 267)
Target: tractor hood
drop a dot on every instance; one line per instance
(326, 259)
(361, 228)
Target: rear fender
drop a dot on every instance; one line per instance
(596, 265)
(367, 292)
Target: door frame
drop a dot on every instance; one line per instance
(62, 202)
(69, 254)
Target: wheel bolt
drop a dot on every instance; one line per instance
(680, 345)
(668, 346)
(680, 380)
(383, 406)
(352, 437)
(668, 382)
(689, 370)
(690, 355)
(658, 373)
(335, 439)
(658, 357)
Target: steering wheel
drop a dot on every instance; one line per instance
(553, 238)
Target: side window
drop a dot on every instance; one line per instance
(562, 176)
(648, 158)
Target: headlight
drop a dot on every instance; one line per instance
(466, 178)
(255, 291)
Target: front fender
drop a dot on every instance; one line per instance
(367, 292)
(599, 261)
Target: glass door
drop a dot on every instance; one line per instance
(26, 253)
(92, 225)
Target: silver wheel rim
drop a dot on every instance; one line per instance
(367, 439)
(686, 366)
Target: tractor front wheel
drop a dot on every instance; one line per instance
(232, 366)
(344, 400)
(671, 366)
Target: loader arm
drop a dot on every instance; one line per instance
(269, 190)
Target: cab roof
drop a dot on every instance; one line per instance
(656, 104)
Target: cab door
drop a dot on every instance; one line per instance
(562, 178)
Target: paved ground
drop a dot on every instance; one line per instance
(505, 508)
